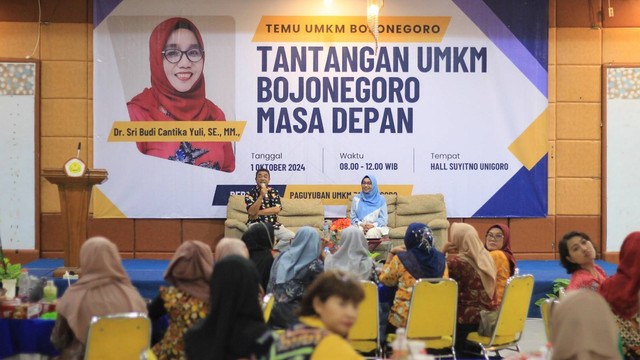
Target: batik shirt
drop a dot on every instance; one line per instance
(271, 200)
(184, 310)
(471, 294)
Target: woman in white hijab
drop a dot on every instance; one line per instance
(352, 256)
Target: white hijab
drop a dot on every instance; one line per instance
(352, 255)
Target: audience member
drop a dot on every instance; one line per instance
(583, 327)
(621, 292)
(475, 272)
(235, 323)
(369, 209)
(328, 310)
(230, 246)
(498, 242)
(352, 256)
(264, 205)
(407, 263)
(103, 289)
(578, 255)
(186, 300)
(259, 239)
(292, 271)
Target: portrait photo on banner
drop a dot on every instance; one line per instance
(178, 69)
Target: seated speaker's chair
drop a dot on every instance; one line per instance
(511, 317)
(295, 214)
(267, 306)
(119, 336)
(433, 315)
(364, 335)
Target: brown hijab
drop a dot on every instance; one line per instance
(470, 249)
(583, 328)
(231, 246)
(103, 289)
(190, 269)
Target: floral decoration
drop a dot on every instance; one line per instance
(340, 224)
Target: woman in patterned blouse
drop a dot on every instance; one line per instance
(186, 300)
(407, 263)
(621, 292)
(475, 272)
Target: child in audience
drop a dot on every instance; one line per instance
(328, 309)
(583, 327)
(578, 256)
(498, 243)
(235, 322)
(621, 292)
(103, 289)
(186, 300)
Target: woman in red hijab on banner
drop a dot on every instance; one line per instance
(621, 292)
(177, 93)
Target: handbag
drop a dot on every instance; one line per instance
(488, 320)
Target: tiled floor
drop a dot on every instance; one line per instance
(533, 337)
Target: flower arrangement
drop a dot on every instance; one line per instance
(340, 224)
(335, 227)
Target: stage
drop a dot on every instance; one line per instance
(147, 275)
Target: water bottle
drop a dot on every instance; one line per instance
(50, 291)
(400, 345)
(326, 233)
(23, 284)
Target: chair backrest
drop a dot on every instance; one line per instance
(366, 325)
(267, 306)
(433, 309)
(545, 309)
(514, 306)
(119, 336)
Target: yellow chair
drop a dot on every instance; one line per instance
(545, 309)
(433, 315)
(364, 336)
(267, 306)
(511, 317)
(119, 336)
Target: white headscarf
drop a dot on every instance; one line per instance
(352, 255)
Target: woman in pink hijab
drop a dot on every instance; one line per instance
(186, 300)
(103, 289)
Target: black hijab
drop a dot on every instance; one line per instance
(235, 321)
(259, 241)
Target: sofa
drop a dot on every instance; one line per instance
(404, 210)
(295, 214)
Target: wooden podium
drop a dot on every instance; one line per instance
(75, 195)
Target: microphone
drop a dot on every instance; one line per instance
(264, 186)
(79, 144)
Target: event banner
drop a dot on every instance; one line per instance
(191, 98)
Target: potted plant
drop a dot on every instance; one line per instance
(9, 274)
